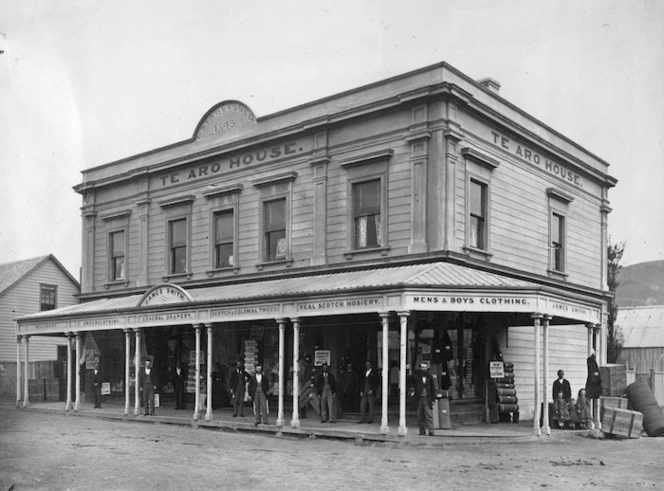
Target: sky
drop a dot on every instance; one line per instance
(84, 83)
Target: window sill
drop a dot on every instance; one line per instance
(559, 275)
(288, 262)
(475, 253)
(176, 276)
(215, 271)
(383, 251)
(116, 283)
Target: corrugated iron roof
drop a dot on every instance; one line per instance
(434, 275)
(10, 273)
(642, 327)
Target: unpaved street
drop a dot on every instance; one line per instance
(48, 451)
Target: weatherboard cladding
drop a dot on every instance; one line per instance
(420, 275)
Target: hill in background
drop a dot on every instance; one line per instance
(641, 284)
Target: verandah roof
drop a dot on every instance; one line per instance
(436, 275)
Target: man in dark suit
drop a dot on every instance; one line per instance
(562, 385)
(96, 383)
(425, 391)
(326, 388)
(258, 388)
(148, 382)
(239, 378)
(368, 389)
(178, 380)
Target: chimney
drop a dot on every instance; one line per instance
(489, 83)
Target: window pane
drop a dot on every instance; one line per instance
(275, 244)
(366, 197)
(117, 244)
(118, 267)
(178, 233)
(555, 229)
(224, 254)
(557, 241)
(275, 215)
(224, 226)
(477, 193)
(179, 260)
(476, 235)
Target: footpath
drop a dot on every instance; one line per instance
(344, 429)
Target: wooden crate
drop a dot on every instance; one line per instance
(52, 386)
(606, 402)
(622, 422)
(36, 389)
(614, 380)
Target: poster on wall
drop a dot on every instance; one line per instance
(321, 356)
(496, 369)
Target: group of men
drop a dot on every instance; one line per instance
(364, 388)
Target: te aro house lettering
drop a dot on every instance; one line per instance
(358, 225)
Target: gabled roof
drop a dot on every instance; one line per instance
(11, 273)
(642, 327)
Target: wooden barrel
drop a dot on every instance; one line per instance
(508, 399)
(504, 386)
(506, 392)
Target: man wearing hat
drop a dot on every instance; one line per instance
(425, 391)
(148, 382)
(326, 388)
(258, 388)
(96, 382)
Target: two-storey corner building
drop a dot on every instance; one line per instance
(422, 217)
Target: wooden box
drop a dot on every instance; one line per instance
(606, 402)
(622, 422)
(614, 380)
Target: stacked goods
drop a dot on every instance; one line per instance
(642, 399)
(622, 422)
(610, 403)
(508, 409)
(614, 379)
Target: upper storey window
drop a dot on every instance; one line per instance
(478, 222)
(48, 297)
(177, 215)
(367, 214)
(276, 195)
(224, 226)
(367, 202)
(117, 252)
(274, 227)
(480, 168)
(558, 244)
(117, 226)
(177, 233)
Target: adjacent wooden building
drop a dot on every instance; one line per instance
(377, 224)
(33, 285)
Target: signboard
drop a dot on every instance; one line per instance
(163, 294)
(496, 369)
(321, 356)
(105, 388)
(226, 118)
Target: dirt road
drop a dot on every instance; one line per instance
(53, 452)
